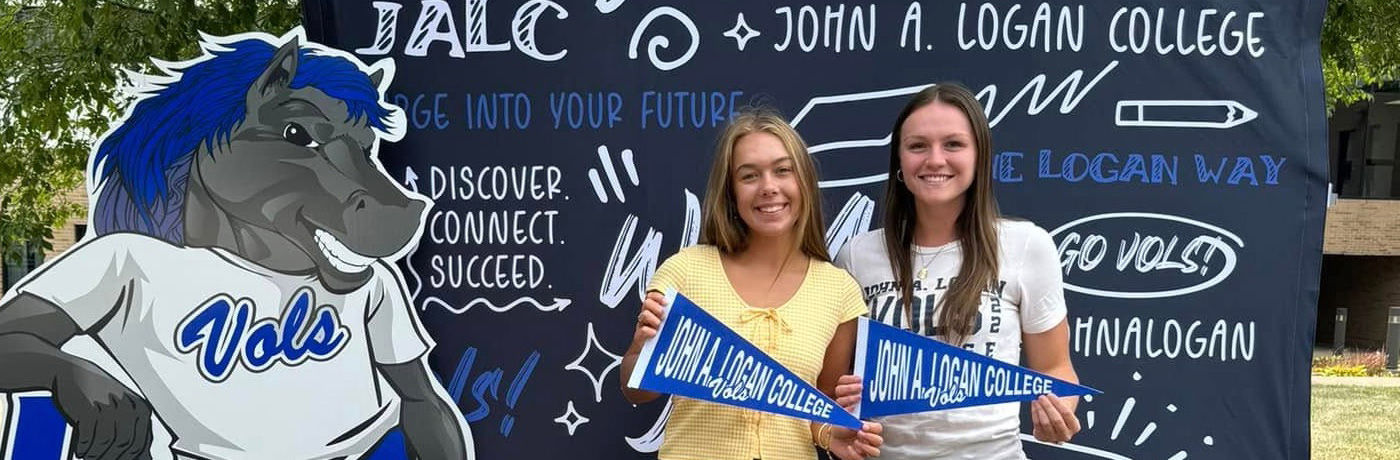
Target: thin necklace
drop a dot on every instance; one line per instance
(768, 292)
(923, 271)
(776, 276)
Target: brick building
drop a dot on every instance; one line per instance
(63, 237)
(1361, 251)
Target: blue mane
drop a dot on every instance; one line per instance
(144, 163)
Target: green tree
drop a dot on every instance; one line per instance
(64, 63)
(1360, 48)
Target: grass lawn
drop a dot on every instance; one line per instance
(1355, 422)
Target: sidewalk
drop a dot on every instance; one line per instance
(1393, 382)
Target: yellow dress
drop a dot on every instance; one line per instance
(795, 333)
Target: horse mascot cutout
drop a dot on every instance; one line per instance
(239, 285)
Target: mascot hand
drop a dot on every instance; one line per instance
(109, 420)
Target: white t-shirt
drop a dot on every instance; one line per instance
(1031, 300)
(237, 361)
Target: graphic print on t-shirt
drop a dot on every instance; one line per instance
(926, 306)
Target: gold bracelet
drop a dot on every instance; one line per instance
(824, 436)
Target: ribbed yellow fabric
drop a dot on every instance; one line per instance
(796, 334)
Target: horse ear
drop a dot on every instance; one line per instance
(376, 77)
(279, 72)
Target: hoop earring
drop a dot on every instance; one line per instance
(899, 175)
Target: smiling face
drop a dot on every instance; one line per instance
(765, 185)
(762, 185)
(300, 169)
(937, 156)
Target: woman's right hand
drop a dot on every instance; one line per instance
(649, 320)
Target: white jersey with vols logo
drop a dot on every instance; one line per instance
(238, 361)
(1029, 298)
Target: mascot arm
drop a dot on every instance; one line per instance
(431, 426)
(109, 420)
(31, 330)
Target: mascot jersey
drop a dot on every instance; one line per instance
(239, 361)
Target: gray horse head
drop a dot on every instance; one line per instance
(292, 183)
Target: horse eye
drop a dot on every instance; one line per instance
(297, 134)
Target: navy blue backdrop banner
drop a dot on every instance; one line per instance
(1175, 150)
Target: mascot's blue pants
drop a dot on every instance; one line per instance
(31, 428)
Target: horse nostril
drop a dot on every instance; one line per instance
(358, 201)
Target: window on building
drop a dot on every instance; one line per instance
(1342, 169)
(1375, 176)
(31, 255)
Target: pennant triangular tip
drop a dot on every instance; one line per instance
(1063, 389)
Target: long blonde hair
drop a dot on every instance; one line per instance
(721, 225)
(976, 225)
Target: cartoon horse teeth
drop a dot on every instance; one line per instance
(341, 257)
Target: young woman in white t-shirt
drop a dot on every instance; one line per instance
(946, 265)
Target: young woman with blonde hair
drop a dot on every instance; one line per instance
(763, 270)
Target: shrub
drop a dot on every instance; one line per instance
(1341, 371)
(1359, 363)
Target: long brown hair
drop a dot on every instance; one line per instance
(976, 225)
(720, 222)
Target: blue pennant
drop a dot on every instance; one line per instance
(904, 372)
(696, 356)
